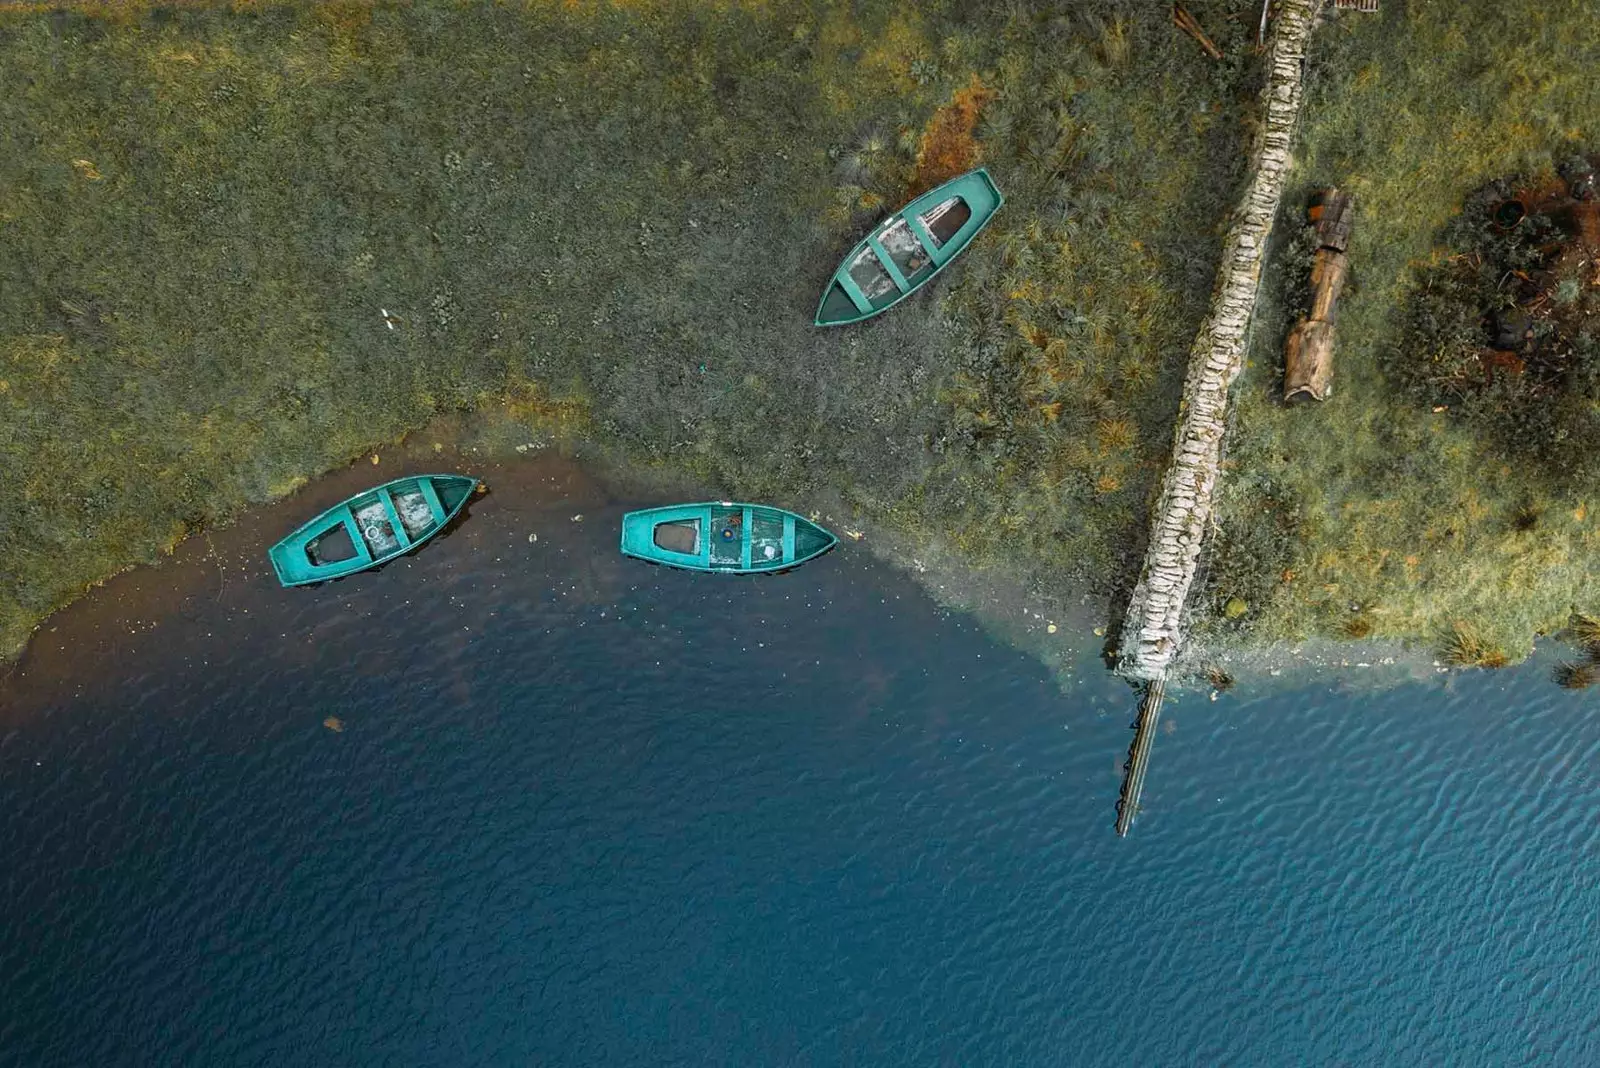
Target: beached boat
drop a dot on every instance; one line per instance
(739, 539)
(909, 248)
(370, 528)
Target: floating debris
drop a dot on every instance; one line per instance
(334, 724)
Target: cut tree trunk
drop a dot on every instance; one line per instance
(1308, 354)
(1308, 361)
(1153, 628)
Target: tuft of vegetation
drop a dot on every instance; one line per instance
(1358, 626)
(1466, 646)
(1504, 331)
(1585, 630)
(1577, 676)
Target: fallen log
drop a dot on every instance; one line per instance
(1308, 353)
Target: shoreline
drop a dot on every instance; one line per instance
(139, 618)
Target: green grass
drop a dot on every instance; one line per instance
(1373, 505)
(614, 219)
(618, 216)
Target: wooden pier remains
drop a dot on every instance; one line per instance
(1144, 737)
(1153, 628)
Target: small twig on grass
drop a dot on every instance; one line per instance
(1188, 25)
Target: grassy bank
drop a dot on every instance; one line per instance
(1375, 514)
(239, 245)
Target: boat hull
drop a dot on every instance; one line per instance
(370, 529)
(723, 537)
(908, 249)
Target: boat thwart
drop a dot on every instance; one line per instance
(723, 536)
(370, 528)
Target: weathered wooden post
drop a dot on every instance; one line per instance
(1308, 354)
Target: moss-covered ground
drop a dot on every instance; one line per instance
(1375, 513)
(240, 244)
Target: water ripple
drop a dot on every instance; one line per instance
(613, 815)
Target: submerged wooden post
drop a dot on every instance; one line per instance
(1308, 354)
(1144, 737)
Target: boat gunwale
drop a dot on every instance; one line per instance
(702, 510)
(976, 175)
(299, 537)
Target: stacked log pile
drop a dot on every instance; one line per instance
(1152, 630)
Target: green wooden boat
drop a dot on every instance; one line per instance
(370, 528)
(738, 539)
(909, 248)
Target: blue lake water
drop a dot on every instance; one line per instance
(587, 812)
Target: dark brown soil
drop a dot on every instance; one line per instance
(213, 590)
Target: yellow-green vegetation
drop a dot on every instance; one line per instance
(1466, 646)
(242, 244)
(1375, 514)
(239, 245)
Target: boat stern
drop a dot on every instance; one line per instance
(290, 563)
(984, 195)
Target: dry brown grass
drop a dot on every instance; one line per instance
(947, 148)
(1465, 646)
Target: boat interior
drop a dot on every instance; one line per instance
(897, 259)
(945, 219)
(388, 520)
(727, 537)
(678, 536)
(766, 539)
(331, 547)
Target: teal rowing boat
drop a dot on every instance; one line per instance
(370, 528)
(909, 248)
(738, 539)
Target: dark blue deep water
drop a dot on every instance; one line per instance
(584, 812)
